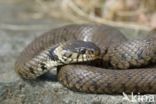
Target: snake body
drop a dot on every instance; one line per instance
(116, 50)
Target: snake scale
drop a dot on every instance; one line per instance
(116, 50)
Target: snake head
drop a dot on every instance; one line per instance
(76, 51)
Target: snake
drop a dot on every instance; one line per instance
(94, 58)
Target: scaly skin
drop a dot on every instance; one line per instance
(92, 79)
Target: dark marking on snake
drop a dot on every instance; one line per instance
(52, 55)
(140, 53)
(43, 66)
(31, 70)
(77, 57)
(124, 56)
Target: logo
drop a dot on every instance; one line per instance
(138, 98)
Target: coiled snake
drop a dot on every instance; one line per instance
(115, 50)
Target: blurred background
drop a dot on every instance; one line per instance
(114, 12)
(131, 13)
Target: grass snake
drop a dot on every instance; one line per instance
(124, 65)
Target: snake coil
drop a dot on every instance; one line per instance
(137, 55)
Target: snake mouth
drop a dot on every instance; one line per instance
(79, 58)
(84, 58)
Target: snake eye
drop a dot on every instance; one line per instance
(82, 51)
